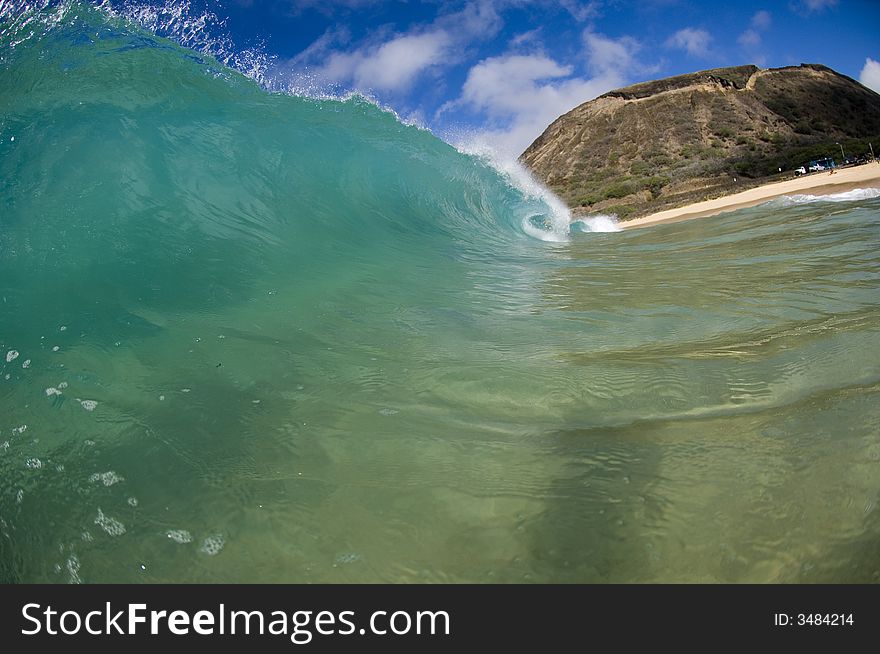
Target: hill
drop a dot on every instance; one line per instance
(670, 142)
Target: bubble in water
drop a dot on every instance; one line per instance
(56, 348)
(212, 545)
(161, 398)
(62, 385)
(63, 328)
(132, 501)
(26, 363)
(181, 536)
(88, 405)
(388, 412)
(34, 463)
(73, 566)
(348, 557)
(107, 478)
(12, 355)
(52, 391)
(111, 525)
(185, 390)
(19, 430)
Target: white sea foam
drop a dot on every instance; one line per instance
(597, 223)
(212, 545)
(72, 564)
(88, 405)
(111, 525)
(196, 29)
(347, 558)
(52, 391)
(181, 536)
(12, 355)
(846, 196)
(107, 478)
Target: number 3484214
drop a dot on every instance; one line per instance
(814, 619)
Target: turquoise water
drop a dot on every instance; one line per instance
(247, 336)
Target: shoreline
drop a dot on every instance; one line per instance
(821, 183)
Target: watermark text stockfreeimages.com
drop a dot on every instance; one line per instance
(300, 627)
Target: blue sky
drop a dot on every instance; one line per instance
(499, 71)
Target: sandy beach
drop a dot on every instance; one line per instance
(821, 183)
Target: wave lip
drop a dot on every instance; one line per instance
(552, 222)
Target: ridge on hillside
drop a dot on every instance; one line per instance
(670, 142)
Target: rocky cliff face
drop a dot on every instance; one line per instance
(669, 142)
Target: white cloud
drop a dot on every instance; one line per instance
(325, 6)
(392, 63)
(694, 41)
(749, 39)
(323, 44)
(531, 38)
(522, 94)
(498, 83)
(814, 6)
(870, 75)
(610, 56)
(391, 66)
(477, 19)
(762, 20)
(581, 11)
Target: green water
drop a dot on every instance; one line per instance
(326, 347)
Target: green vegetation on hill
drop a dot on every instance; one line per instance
(667, 143)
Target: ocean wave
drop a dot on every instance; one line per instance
(597, 223)
(846, 196)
